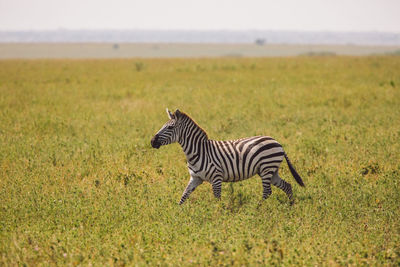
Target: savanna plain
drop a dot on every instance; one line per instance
(81, 185)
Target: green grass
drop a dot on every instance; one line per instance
(80, 184)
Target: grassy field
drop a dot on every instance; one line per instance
(80, 184)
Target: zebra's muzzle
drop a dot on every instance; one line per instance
(155, 143)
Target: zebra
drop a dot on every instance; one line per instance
(225, 161)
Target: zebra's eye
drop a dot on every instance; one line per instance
(170, 127)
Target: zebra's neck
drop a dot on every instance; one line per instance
(192, 138)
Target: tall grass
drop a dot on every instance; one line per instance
(80, 184)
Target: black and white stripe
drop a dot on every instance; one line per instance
(225, 161)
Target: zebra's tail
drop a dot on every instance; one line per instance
(294, 172)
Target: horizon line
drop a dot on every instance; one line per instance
(199, 30)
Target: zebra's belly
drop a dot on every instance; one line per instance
(236, 177)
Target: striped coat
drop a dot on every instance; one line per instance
(225, 161)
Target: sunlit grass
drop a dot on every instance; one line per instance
(80, 184)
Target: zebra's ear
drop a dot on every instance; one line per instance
(178, 113)
(170, 115)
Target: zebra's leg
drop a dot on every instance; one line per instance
(193, 183)
(266, 177)
(282, 184)
(216, 186)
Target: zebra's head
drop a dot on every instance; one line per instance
(168, 134)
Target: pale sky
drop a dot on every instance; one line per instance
(304, 15)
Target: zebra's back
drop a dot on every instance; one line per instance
(243, 158)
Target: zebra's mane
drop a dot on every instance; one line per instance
(184, 115)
